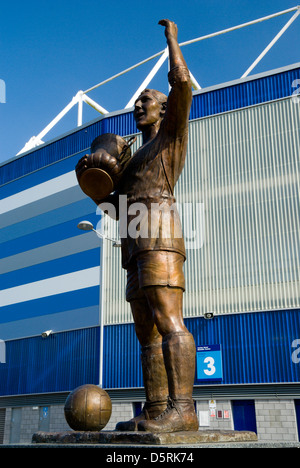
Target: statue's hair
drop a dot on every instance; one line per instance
(161, 98)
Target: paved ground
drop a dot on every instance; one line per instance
(161, 448)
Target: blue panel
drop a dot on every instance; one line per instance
(60, 266)
(42, 175)
(260, 342)
(45, 236)
(122, 124)
(51, 305)
(61, 362)
(67, 320)
(256, 348)
(48, 219)
(245, 94)
(121, 361)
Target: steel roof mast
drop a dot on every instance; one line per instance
(81, 96)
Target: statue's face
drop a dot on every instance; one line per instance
(147, 111)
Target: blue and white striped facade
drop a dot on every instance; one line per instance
(55, 277)
(45, 263)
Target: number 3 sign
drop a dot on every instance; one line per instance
(209, 362)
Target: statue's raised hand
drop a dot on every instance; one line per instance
(171, 28)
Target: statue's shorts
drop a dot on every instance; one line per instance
(154, 268)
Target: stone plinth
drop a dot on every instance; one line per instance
(143, 438)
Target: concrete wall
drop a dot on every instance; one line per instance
(275, 419)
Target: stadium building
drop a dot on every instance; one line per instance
(64, 320)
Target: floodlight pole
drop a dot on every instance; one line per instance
(101, 311)
(218, 33)
(78, 99)
(58, 117)
(81, 96)
(149, 77)
(79, 113)
(37, 140)
(285, 27)
(94, 104)
(195, 83)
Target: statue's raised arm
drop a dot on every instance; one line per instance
(175, 54)
(180, 98)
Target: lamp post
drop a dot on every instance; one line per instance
(88, 226)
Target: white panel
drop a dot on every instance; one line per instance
(59, 321)
(38, 192)
(242, 170)
(244, 166)
(46, 253)
(49, 287)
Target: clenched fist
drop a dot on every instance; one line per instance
(171, 28)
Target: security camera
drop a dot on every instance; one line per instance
(209, 315)
(46, 333)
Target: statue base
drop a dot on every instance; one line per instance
(143, 438)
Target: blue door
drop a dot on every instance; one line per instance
(244, 415)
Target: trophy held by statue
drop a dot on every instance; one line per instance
(100, 172)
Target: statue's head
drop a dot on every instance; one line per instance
(149, 108)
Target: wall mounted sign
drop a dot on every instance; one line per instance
(209, 363)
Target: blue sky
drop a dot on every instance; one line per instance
(51, 50)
